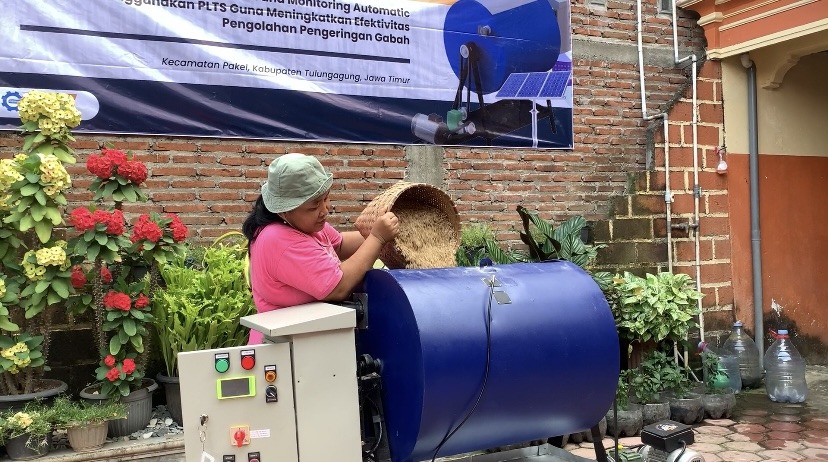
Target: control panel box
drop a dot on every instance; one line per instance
(291, 399)
(237, 403)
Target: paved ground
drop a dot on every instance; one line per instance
(759, 429)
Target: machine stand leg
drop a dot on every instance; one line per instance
(600, 452)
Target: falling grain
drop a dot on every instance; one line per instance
(426, 238)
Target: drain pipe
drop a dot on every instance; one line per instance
(755, 237)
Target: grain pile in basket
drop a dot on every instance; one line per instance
(429, 228)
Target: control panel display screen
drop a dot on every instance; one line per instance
(236, 388)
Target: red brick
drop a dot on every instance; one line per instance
(181, 208)
(173, 196)
(173, 171)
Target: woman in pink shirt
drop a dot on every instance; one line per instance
(296, 257)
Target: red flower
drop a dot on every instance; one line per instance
(178, 228)
(78, 277)
(129, 366)
(115, 225)
(117, 158)
(145, 228)
(100, 166)
(101, 216)
(81, 218)
(134, 171)
(113, 374)
(109, 361)
(142, 301)
(117, 300)
(106, 275)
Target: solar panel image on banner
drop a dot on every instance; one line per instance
(535, 85)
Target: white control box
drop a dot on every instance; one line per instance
(293, 399)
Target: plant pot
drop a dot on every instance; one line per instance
(46, 390)
(688, 411)
(139, 408)
(718, 405)
(172, 390)
(586, 435)
(88, 437)
(629, 421)
(655, 412)
(22, 448)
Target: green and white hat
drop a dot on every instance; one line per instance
(292, 180)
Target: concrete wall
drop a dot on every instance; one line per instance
(793, 168)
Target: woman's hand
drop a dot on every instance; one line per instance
(386, 227)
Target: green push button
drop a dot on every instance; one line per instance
(222, 363)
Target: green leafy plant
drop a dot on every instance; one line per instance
(34, 265)
(200, 306)
(715, 375)
(547, 242)
(65, 413)
(655, 307)
(34, 420)
(478, 241)
(622, 393)
(652, 377)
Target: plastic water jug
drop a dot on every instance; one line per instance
(748, 355)
(728, 374)
(785, 371)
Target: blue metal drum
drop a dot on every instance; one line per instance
(510, 35)
(552, 352)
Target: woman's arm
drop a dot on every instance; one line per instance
(385, 229)
(351, 240)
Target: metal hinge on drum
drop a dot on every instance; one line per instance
(501, 297)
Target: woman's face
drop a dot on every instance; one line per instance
(310, 216)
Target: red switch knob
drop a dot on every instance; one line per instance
(239, 437)
(248, 362)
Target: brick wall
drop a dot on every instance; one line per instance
(614, 176)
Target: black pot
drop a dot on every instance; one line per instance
(688, 411)
(49, 390)
(138, 403)
(719, 405)
(26, 447)
(172, 390)
(629, 421)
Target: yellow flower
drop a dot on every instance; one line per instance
(2, 288)
(21, 420)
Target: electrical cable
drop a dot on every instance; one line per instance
(485, 374)
(683, 447)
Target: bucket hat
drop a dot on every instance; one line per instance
(293, 179)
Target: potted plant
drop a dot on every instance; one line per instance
(199, 308)
(116, 277)
(653, 308)
(685, 406)
(34, 265)
(85, 422)
(26, 433)
(649, 383)
(628, 420)
(718, 399)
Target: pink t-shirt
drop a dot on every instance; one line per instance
(289, 267)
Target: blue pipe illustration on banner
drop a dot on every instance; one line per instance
(491, 49)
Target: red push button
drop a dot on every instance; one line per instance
(248, 359)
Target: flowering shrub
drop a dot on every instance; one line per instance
(34, 420)
(116, 176)
(34, 265)
(125, 316)
(106, 279)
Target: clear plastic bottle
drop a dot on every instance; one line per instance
(785, 371)
(748, 355)
(728, 367)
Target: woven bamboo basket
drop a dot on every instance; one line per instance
(397, 199)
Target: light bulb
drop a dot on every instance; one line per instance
(721, 169)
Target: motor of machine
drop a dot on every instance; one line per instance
(667, 441)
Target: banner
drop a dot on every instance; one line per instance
(448, 72)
